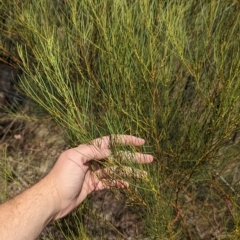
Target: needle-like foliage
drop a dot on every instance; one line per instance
(167, 71)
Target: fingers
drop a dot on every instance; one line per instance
(109, 141)
(100, 147)
(126, 156)
(111, 177)
(106, 177)
(107, 184)
(119, 172)
(90, 152)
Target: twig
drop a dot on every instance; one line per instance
(227, 183)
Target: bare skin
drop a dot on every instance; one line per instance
(64, 188)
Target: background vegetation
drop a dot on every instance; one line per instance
(167, 71)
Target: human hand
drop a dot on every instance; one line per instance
(73, 176)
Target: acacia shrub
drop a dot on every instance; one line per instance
(167, 71)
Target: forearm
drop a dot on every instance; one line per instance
(26, 215)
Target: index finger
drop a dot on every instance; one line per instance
(109, 141)
(100, 147)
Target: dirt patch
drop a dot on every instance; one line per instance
(28, 150)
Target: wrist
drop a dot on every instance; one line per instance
(51, 198)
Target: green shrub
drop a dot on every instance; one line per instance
(167, 71)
